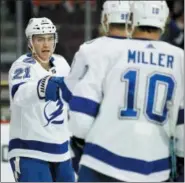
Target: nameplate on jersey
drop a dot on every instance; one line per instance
(151, 58)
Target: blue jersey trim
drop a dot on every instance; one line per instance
(144, 39)
(52, 59)
(117, 37)
(180, 120)
(84, 105)
(29, 60)
(15, 88)
(39, 146)
(38, 93)
(29, 54)
(125, 163)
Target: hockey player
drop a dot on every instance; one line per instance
(114, 18)
(177, 158)
(39, 138)
(128, 101)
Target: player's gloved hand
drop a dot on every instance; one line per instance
(48, 89)
(77, 146)
(66, 93)
(58, 80)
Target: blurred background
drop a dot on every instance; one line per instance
(77, 21)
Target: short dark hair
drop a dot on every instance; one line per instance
(148, 29)
(117, 25)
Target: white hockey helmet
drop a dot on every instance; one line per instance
(115, 11)
(150, 13)
(40, 26)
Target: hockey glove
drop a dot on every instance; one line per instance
(66, 93)
(58, 80)
(47, 89)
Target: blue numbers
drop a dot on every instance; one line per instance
(27, 72)
(155, 11)
(130, 94)
(124, 16)
(169, 85)
(130, 110)
(17, 74)
(21, 73)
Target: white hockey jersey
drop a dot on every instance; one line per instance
(38, 129)
(79, 61)
(121, 105)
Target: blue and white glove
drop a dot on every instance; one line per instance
(66, 93)
(48, 89)
(58, 80)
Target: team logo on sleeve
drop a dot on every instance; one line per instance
(86, 68)
(54, 116)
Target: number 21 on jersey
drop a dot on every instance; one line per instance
(21, 73)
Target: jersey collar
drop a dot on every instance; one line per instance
(117, 37)
(120, 37)
(51, 59)
(144, 39)
(52, 62)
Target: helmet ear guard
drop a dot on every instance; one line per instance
(104, 22)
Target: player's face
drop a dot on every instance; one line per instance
(43, 45)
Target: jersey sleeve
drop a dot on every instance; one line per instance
(180, 120)
(67, 68)
(75, 73)
(87, 96)
(63, 64)
(22, 85)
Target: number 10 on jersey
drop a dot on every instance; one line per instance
(130, 110)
